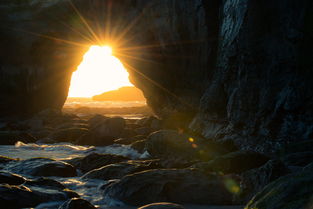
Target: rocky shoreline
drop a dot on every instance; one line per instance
(176, 166)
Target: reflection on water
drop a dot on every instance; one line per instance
(88, 102)
(84, 107)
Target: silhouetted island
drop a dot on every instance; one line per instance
(127, 93)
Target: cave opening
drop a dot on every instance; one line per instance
(101, 81)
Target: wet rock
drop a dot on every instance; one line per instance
(143, 131)
(43, 167)
(254, 180)
(235, 162)
(96, 120)
(116, 171)
(110, 128)
(298, 159)
(162, 205)
(170, 143)
(139, 146)
(45, 183)
(10, 178)
(170, 185)
(23, 197)
(73, 125)
(129, 140)
(297, 147)
(4, 159)
(69, 135)
(293, 191)
(151, 122)
(95, 160)
(127, 132)
(125, 141)
(133, 126)
(77, 203)
(11, 137)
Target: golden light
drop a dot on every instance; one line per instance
(99, 72)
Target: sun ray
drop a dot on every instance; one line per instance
(78, 32)
(134, 57)
(52, 38)
(85, 22)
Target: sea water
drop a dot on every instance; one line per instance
(88, 189)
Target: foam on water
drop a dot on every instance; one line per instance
(89, 189)
(62, 151)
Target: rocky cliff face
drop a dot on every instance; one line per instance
(243, 67)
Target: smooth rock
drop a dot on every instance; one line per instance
(254, 180)
(11, 137)
(298, 159)
(170, 185)
(143, 131)
(96, 120)
(235, 162)
(10, 178)
(162, 205)
(293, 191)
(77, 203)
(69, 135)
(95, 160)
(45, 183)
(170, 143)
(23, 197)
(43, 167)
(116, 171)
(139, 146)
(110, 128)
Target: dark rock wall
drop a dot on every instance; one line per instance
(244, 67)
(261, 94)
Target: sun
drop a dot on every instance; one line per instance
(99, 72)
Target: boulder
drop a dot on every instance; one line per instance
(4, 159)
(293, 191)
(73, 125)
(42, 167)
(11, 137)
(13, 197)
(139, 146)
(235, 162)
(254, 180)
(151, 122)
(128, 132)
(69, 134)
(10, 178)
(45, 183)
(170, 185)
(125, 141)
(170, 143)
(162, 205)
(95, 160)
(111, 128)
(116, 171)
(129, 140)
(296, 147)
(96, 120)
(77, 203)
(143, 131)
(298, 159)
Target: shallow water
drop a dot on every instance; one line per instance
(63, 151)
(89, 189)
